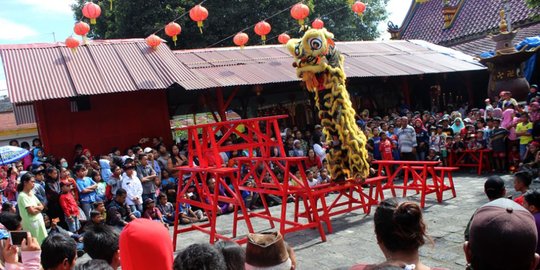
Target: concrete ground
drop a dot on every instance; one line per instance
(353, 239)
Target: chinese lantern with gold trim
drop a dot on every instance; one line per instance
(317, 24)
(359, 8)
(198, 13)
(299, 12)
(153, 41)
(72, 43)
(283, 38)
(173, 30)
(91, 11)
(241, 39)
(262, 29)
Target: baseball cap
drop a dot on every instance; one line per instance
(534, 86)
(147, 150)
(502, 236)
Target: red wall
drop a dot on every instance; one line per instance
(119, 119)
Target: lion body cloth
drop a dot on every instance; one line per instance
(320, 66)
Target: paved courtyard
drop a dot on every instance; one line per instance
(353, 239)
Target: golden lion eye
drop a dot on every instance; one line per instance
(315, 43)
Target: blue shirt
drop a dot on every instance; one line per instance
(82, 184)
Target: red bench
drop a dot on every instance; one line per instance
(478, 159)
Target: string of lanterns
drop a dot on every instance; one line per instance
(199, 14)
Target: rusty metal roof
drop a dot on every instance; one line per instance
(49, 71)
(272, 64)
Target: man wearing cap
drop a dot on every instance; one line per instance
(502, 236)
(533, 93)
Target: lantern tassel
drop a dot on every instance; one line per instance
(301, 22)
(84, 40)
(93, 21)
(174, 39)
(111, 4)
(263, 38)
(73, 50)
(200, 25)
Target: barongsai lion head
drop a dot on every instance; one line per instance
(311, 50)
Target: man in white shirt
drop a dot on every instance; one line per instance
(133, 186)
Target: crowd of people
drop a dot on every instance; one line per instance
(84, 201)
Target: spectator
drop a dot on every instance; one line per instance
(148, 178)
(87, 189)
(524, 132)
(269, 251)
(151, 211)
(115, 180)
(157, 252)
(323, 176)
(70, 208)
(200, 256)
(67, 179)
(532, 203)
(118, 212)
(8, 207)
(498, 145)
(386, 147)
(101, 186)
(223, 207)
(503, 236)
(53, 191)
(39, 187)
(102, 243)
(522, 181)
(494, 189)
(533, 93)
(406, 140)
(30, 208)
(422, 139)
(312, 161)
(187, 215)
(30, 254)
(233, 254)
(133, 186)
(58, 251)
(94, 265)
(166, 208)
(400, 232)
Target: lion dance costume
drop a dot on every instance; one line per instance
(320, 66)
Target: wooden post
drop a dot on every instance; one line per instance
(221, 104)
(406, 91)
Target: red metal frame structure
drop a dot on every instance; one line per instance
(260, 137)
(471, 158)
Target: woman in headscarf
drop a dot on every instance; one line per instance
(497, 113)
(534, 111)
(458, 125)
(422, 139)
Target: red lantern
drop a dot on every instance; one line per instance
(317, 24)
(241, 39)
(81, 29)
(262, 29)
(283, 38)
(72, 43)
(91, 11)
(358, 7)
(153, 41)
(173, 30)
(198, 13)
(300, 12)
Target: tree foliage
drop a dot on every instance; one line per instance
(533, 3)
(140, 18)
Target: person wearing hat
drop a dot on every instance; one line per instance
(150, 211)
(494, 189)
(268, 251)
(503, 236)
(533, 93)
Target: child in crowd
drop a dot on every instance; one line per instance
(96, 218)
(432, 155)
(522, 181)
(101, 186)
(323, 176)
(150, 211)
(100, 207)
(479, 143)
(169, 184)
(70, 208)
(65, 177)
(187, 215)
(385, 147)
(458, 144)
(312, 181)
(166, 208)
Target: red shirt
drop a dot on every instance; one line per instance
(519, 200)
(316, 162)
(385, 147)
(74, 190)
(68, 204)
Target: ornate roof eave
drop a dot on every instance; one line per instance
(504, 57)
(408, 18)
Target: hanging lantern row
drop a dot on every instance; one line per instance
(300, 12)
(72, 43)
(262, 29)
(81, 28)
(91, 11)
(241, 39)
(359, 8)
(173, 30)
(198, 13)
(283, 38)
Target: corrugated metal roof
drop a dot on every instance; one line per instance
(273, 64)
(48, 71)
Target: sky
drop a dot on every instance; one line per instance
(35, 21)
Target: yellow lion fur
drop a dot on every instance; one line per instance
(315, 56)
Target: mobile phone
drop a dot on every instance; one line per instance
(16, 237)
